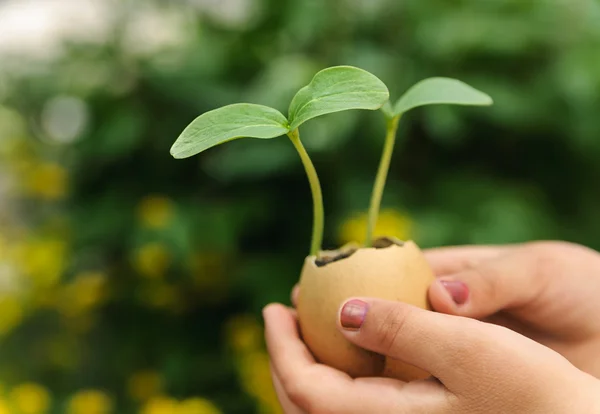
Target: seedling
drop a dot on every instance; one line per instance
(429, 91)
(390, 269)
(334, 89)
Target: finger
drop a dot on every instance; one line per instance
(288, 353)
(460, 352)
(445, 260)
(503, 283)
(307, 384)
(286, 404)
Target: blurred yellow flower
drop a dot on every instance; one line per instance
(256, 379)
(11, 314)
(84, 293)
(391, 223)
(160, 405)
(144, 385)
(197, 405)
(4, 408)
(47, 181)
(152, 260)
(90, 402)
(43, 261)
(155, 211)
(30, 399)
(244, 334)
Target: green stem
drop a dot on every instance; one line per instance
(382, 172)
(315, 187)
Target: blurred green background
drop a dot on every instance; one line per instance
(131, 282)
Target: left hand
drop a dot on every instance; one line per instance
(478, 367)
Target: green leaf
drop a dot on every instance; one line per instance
(336, 89)
(433, 91)
(227, 123)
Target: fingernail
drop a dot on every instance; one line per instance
(458, 290)
(353, 314)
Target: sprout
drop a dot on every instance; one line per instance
(334, 89)
(430, 91)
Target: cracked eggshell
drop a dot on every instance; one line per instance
(396, 272)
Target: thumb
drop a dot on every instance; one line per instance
(507, 281)
(460, 352)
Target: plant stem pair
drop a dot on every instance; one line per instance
(331, 90)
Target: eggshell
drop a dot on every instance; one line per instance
(398, 272)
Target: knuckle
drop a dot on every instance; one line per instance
(392, 327)
(549, 251)
(489, 277)
(546, 256)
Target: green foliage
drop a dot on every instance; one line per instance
(434, 91)
(337, 89)
(331, 90)
(228, 123)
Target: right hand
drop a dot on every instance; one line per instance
(546, 291)
(477, 367)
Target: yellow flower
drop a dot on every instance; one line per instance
(391, 223)
(83, 294)
(144, 385)
(90, 402)
(244, 334)
(30, 399)
(256, 380)
(11, 314)
(197, 406)
(4, 408)
(155, 212)
(160, 405)
(152, 260)
(43, 261)
(47, 181)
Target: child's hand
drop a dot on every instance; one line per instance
(481, 367)
(547, 291)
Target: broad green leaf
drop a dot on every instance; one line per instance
(228, 123)
(336, 89)
(440, 91)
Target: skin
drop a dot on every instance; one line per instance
(526, 340)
